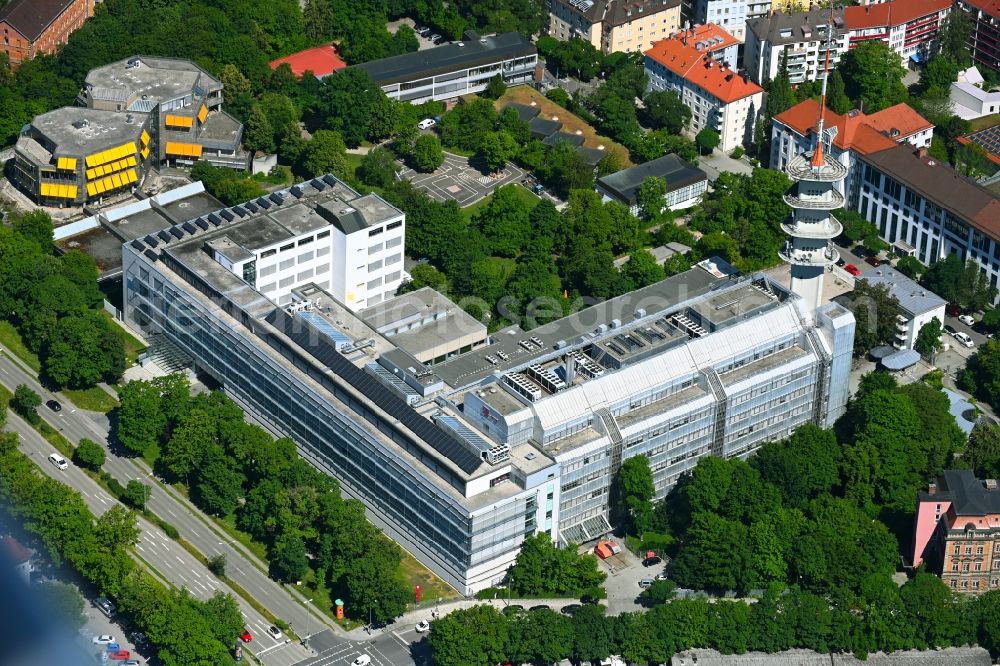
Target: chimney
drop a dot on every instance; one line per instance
(932, 488)
(922, 153)
(991, 484)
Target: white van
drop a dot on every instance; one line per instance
(58, 461)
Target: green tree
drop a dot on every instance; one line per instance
(504, 222)
(875, 311)
(910, 267)
(592, 634)
(936, 617)
(140, 422)
(873, 74)
(217, 565)
(325, 153)
(542, 637)
(956, 29)
(929, 338)
(982, 455)
(635, 491)
(803, 467)
(218, 486)
(665, 110)
(222, 613)
(988, 616)
(715, 555)
(496, 149)
(259, 134)
(476, 636)
(836, 93)
(89, 453)
(427, 154)
(542, 568)
(36, 226)
(466, 125)
(377, 168)
(188, 443)
(641, 270)
(116, 529)
(495, 87)
(425, 275)
(289, 562)
(25, 402)
(84, 349)
(651, 196)
(136, 494)
(780, 96)
(959, 283)
(63, 602)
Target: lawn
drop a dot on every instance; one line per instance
(570, 122)
(432, 588)
(94, 399)
(132, 345)
(353, 162)
(984, 122)
(526, 196)
(11, 339)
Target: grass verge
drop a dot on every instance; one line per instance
(525, 197)
(228, 525)
(353, 162)
(94, 399)
(431, 587)
(11, 339)
(55, 438)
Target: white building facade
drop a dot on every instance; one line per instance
(917, 305)
(800, 38)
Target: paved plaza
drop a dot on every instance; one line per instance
(460, 179)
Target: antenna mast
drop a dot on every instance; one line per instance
(817, 160)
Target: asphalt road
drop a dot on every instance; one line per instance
(165, 555)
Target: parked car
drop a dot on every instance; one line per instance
(439, 40)
(874, 261)
(58, 461)
(852, 269)
(646, 583)
(274, 632)
(539, 607)
(422, 626)
(661, 576)
(652, 561)
(119, 655)
(53, 405)
(105, 606)
(513, 609)
(104, 639)
(963, 339)
(950, 330)
(246, 636)
(131, 662)
(967, 320)
(570, 609)
(841, 262)
(426, 123)
(952, 310)
(362, 660)
(434, 38)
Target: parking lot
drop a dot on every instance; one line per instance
(625, 570)
(461, 180)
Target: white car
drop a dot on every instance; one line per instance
(963, 339)
(58, 461)
(426, 123)
(423, 626)
(362, 660)
(661, 576)
(966, 319)
(104, 639)
(274, 632)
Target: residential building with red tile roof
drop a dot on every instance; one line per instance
(30, 27)
(984, 41)
(322, 61)
(908, 27)
(718, 96)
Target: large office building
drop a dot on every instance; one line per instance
(801, 39)
(132, 115)
(719, 97)
(957, 531)
(929, 210)
(614, 25)
(32, 27)
(461, 460)
(984, 40)
(447, 72)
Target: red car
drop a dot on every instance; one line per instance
(953, 310)
(873, 261)
(852, 269)
(119, 655)
(246, 636)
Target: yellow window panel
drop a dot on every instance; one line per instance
(132, 176)
(178, 121)
(71, 191)
(145, 152)
(91, 189)
(100, 186)
(44, 189)
(196, 150)
(59, 191)
(117, 180)
(144, 138)
(202, 113)
(130, 162)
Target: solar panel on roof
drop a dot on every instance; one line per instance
(251, 206)
(164, 236)
(296, 191)
(263, 203)
(201, 223)
(240, 210)
(318, 184)
(317, 321)
(137, 244)
(276, 198)
(329, 180)
(188, 227)
(216, 220)
(177, 233)
(150, 240)
(152, 256)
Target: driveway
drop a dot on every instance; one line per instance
(461, 178)
(713, 165)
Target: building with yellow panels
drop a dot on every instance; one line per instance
(615, 25)
(133, 116)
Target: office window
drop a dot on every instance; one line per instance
(322, 234)
(305, 256)
(286, 248)
(394, 225)
(393, 259)
(305, 241)
(376, 232)
(375, 265)
(268, 253)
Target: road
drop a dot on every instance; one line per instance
(164, 554)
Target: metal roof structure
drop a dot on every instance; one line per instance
(913, 298)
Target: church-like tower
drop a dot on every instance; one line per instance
(811, 226)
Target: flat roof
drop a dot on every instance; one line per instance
(219, 127)
(100, 245)
(911, 296)
(104, 129)
(448, 58)
(580, 326)
(158, 78)
(625, 184)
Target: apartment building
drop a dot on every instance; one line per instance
(730, 15)
(132, 115)
(719, 97)
(917, 305)
(614, 25)
(461, 460)
(928, 206)
(31, 27)
(908, 27)
(845, 137)
(800, 38)
(984, 42)
(447, 72)
(957, 531)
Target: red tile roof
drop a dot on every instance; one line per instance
(680, 56)
(855, 130)
(891, 13)
(901, 117)
(991, 7)
(320, 60)
(708, 32)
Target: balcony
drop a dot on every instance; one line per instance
(822, 256)
(803, 229)
(800, 169)
(832, 201)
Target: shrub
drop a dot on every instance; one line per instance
(737, 153)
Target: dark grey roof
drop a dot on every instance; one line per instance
(624, 184)
(560, 136)
(782, 28)
(347, 219)
(590, 156)
(541, 128)
(968, 495)
(524, 111)
(616, 12)
(448, 58)
(32, 17)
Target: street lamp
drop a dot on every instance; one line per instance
(371, 627)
